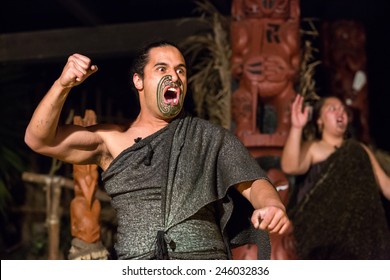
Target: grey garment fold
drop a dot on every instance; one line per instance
(194, 164)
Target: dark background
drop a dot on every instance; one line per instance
(23, 16)
(25, 80)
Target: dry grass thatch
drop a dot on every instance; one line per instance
(210, 53)
(307, 84)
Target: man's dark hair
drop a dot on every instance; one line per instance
(142, 57)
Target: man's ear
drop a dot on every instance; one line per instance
(138, 82)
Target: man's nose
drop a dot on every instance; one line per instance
(175, 75)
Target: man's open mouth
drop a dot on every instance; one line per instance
(171, 95)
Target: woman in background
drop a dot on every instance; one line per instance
(337, 210)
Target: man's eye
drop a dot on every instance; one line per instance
(161, 69)
(180, 71)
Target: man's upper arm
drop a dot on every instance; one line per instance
(75, 144)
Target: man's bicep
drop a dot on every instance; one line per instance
(75, 144)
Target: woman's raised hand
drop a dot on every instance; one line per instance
(299, 117)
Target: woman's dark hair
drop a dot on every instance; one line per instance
(142, 57)
(316, 113)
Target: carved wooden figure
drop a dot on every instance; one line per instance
(85, 208)
(265, 39)
(344, 56)
(265, 60)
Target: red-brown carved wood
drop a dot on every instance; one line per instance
(85, 208)
(265, 39)
(344, 57)
(265, 61)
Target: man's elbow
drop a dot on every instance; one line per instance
(33, 142)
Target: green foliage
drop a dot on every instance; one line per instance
(11, 165)
(12, 125)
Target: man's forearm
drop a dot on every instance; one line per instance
(263, 194)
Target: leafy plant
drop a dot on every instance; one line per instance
(12, 149)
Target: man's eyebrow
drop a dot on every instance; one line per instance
(160, 64)
(166, 64)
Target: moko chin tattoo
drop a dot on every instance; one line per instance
(170, 96)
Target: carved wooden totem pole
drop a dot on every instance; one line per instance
(265, 60)
(265, 38)
(85, 208)
(344, 56)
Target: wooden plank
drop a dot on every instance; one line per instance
(106, 40)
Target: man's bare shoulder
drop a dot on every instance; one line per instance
(114, 141)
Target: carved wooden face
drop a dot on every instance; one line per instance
(347, 35)
(347, 46)
(267, 8)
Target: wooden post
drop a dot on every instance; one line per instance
(265, 39)
(85, 208)
(53, 185)
(345, 60)
(265, 61)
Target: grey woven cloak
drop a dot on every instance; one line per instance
(342, 216)
(185, 170)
